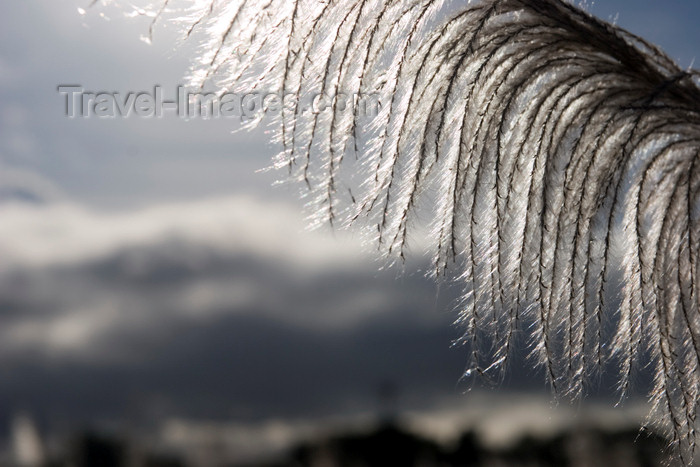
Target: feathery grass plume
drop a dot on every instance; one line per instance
(559, 152)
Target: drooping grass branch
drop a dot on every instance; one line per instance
(557, 155)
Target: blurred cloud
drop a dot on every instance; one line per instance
(104, 274)
(212, 308)
(25, 187)
(70, 233)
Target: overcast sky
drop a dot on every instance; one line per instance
(122, 163)
(149, 267)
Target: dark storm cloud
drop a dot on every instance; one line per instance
(168, 317)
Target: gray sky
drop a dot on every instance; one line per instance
(124, 163)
